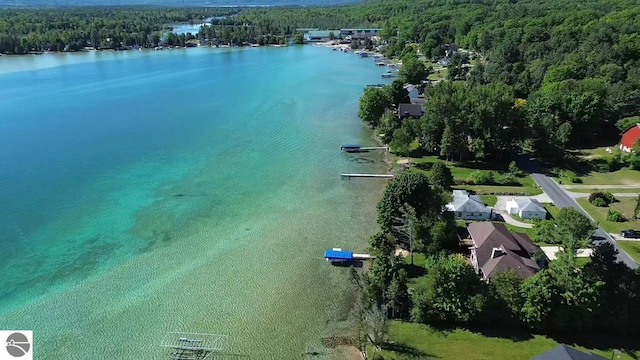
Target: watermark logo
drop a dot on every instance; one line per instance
(17, 345)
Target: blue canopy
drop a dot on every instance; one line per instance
(338, 255)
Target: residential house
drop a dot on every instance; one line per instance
(564, 352)
(413, 91)
(450, 49)
(468, 207)
(495, 250)
(359, 34)
(409, 110)
(321, 35)
(445, 61)
(526, 208)
(629, 137)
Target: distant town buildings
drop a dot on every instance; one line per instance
(317, 35)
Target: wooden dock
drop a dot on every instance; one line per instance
(367, 148)
(381, 176)
(358, 148)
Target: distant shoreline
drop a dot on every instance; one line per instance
(163, 48)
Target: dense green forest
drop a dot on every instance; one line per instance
(54, 29)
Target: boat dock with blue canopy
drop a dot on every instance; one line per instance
(336, 255)
(339, 256)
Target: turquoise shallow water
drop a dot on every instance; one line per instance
(193, 190)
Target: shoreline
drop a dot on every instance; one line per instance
(141, 48)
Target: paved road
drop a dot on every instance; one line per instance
(562, 199)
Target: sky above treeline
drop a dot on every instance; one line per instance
(212, 3)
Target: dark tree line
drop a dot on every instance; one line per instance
(71, 29)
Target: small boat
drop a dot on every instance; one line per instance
(364, 54)
(388, 74)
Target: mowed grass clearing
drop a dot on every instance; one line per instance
(589, 190)
(462, 172)
(417, 341)
(620, 177)
(552, 211)
(630, 247)
(489, 200)
(625, 206)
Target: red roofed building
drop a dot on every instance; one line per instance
(630, 137)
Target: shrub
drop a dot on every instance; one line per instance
(515, 170)
(615, 216)
(616, 163)
(603, 167)
(601, 199)
(570, 176)
(481, 177)
(507, 179)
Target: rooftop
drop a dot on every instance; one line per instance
(497, 250)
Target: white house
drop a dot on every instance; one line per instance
(526, 208)
(468, 207)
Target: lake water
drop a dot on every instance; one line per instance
(190, 190)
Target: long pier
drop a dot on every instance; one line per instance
(374, 148)
(358, 148)
(381, 176)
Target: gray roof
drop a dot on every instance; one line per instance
(414, 110)
(515, 254)
(462, 201)
(527, 204)
(564, 352)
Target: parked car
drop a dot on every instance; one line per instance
(631, 234)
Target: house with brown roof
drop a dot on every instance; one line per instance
(495, 249)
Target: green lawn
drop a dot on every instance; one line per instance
(620, 177)
(489, 200)
(624, 205)
(630, 247)
(461, 172)
(597, 153)
(552, 211)
(416, 341)
(517, 229)
(634, 190)
(438, 74)
(496, 189)
(458, 172)
(419, 259)
(582, 261)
